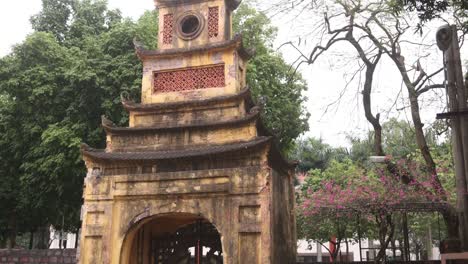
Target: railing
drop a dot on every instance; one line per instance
(372, 262)
(34, 256)
(455, 258)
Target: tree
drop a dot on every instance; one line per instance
(55, 86)
(270, 80)
(322, 227)
(53, 18)
(431, 9)
(58, 84)
(375, 194)
(347, 172)
(313, 153)
(349, 166)
(374, 30)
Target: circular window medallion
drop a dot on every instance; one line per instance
(189, 25)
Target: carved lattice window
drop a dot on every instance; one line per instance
(189, 79)
(168, 28)
(213, 17)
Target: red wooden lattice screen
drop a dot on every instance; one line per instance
(168, 28)
(213, 17)
(189, 79)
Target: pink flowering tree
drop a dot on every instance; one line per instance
(375, 195)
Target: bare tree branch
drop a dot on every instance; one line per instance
(430, 87)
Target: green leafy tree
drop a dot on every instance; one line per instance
(430, 9)
(320, 227)
(53, 18)
(57, 83)
(397, 140)
(313, 153)
(271, 80)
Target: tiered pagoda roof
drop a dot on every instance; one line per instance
(235, 42)
(183, 114)
(253, 115)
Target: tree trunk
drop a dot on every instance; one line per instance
(334, 254)
(31, 239)
(417, 250)
(386, 232)
(13, 231)
(422, 145)
(429, 243)
(43, 238)
(420, 137)
(374, 120)
(77, 238)
(3, 241)
(347, 249)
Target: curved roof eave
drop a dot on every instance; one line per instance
(99, 154)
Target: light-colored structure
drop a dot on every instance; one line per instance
(195, 175)
(313, 252)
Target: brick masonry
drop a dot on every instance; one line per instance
(37, 256)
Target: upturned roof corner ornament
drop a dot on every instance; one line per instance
(444, 37)
(107, 122)
(125, 96)
(138, 44)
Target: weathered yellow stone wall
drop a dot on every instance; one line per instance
(181, 138)
(188, 115)
(247, 201)
(236, 201)
(283, 217)
(227, 57)
(178, 11)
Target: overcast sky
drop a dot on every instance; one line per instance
(326, 79)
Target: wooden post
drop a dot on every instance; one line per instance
(319, 252)
(457, 103)
(429, 243)
(359, 236)
(406, 237)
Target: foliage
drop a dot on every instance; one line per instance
(361, 148)
(341, 172)
(53, 18)
(57, 83)
(320, 228)
(327, 206)
(355, 174)
(427, 10)
(369, 193)
(430, 9)
(270, 79)
(313, 153)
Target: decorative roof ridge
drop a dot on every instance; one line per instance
(236, 41)
(101, 154)
(275, 151)
(111, 128)
(132, 106)
(86, 148)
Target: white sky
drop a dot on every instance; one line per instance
(325, 79)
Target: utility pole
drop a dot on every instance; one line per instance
(447, 41)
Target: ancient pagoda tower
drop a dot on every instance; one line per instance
(195, 178)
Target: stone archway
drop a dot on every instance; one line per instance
(175, 238)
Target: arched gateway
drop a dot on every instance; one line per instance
(173, 238)
(195, 178)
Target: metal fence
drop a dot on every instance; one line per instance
(371, 262)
